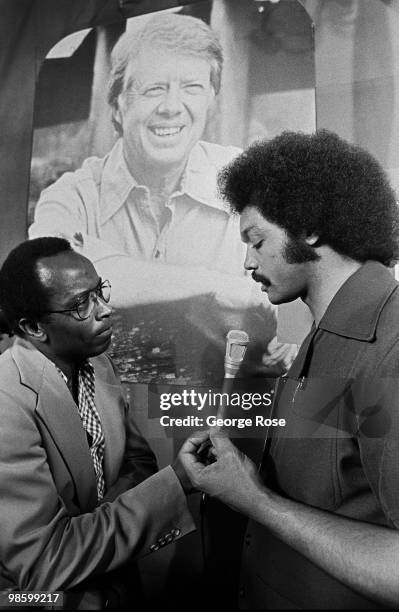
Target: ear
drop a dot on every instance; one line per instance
(32, 329)
(117, 118)
(212, 106)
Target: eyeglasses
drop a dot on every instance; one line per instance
(85, 304)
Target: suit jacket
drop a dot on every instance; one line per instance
(53, 535)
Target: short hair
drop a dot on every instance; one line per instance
(318, 184)
(179, 33)
(22, 294)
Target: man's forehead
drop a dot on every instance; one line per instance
(67, 273)
(251, 220)
(252, 223)
(152, 62)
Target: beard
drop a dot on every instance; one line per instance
(297, 251)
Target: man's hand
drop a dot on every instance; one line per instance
(232, 478)
(279, 356)
(203, 453)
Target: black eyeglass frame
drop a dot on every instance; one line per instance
(98, 294)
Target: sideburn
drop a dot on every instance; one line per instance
(297, 251)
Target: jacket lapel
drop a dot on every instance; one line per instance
(57, 410)
(111, 409)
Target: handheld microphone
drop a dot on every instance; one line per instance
(236, 346)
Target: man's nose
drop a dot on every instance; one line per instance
(250, 262)
(171, 103)
(103, 309)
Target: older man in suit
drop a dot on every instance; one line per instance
(77, 502)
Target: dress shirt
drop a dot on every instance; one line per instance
(102, 204)
(90, 420)
(102, 210)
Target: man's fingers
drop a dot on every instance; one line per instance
(220, 441)
(273, 344)
(190, 451)
(275, 357)
(204, 446)
(195, 442)
(279, 353)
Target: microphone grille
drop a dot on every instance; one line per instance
(238, 336)
(236, 346)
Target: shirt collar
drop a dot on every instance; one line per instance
(200, 178)
(198, 181)
(85, 364)
(355, 309)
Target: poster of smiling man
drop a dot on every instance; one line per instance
(147, 212)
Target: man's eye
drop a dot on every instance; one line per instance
(153, 92)
(194, 88)
(258, 245)
(83, 301)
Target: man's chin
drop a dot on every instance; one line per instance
(100, 347)
(168, 157)
(277, 298)
(168, 153)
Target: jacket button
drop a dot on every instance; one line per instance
(154, 547)
(241, 592)
(175, 532)
(168, 538)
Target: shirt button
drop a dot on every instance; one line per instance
(157, 254)
(241, 592)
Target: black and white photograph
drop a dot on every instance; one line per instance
(199, 330)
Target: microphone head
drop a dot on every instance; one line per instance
(236, 346)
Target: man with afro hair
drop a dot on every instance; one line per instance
(321, 223)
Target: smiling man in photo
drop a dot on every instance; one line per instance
(148, 214)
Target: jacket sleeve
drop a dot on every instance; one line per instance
(42, 547)
(378, 432)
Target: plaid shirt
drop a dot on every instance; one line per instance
(91, 420)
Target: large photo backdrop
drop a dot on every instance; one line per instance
(267, 86)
